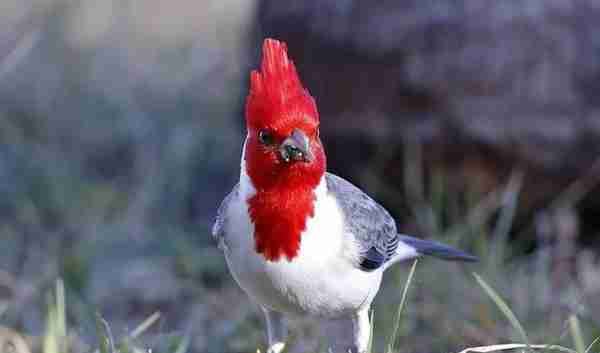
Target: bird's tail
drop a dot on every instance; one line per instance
(410, 247)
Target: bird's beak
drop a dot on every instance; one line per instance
(296, 147)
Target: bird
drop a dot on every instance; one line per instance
(300, 241)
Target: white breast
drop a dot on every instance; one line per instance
(322, 280)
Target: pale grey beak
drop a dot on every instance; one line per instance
(296, 147)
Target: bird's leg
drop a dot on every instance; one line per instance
(276, 331)
(361, 330)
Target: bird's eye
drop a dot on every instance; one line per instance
(265, 137)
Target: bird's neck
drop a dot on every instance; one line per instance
(279, 215)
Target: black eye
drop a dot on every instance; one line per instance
(265, 137)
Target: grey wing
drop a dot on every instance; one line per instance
(371, 225)
(218, 229)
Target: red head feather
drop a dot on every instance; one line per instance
(284, 198)
(276, 93)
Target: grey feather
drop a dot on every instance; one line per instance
(439, 250)
(218, 229)
(370, 224)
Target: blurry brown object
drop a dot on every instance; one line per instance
(12, 342)
(484, 86)
(515, 76)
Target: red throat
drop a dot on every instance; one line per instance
(279, 218)
(285, 192)
(281, 207)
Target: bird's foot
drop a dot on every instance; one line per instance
(276, 347)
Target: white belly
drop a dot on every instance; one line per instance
(322, 280)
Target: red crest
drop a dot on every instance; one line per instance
(276, 93)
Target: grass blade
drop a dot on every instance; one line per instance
(183, 346)
(589, 348)
(510, 200)
(105, 337)
(576, 334)
(145, 325)
(372, 322)
(401, 307)
(512, 346)
(55, 337)
(61, 309)
(50, 343)
(504, 308)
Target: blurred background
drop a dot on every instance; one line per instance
(121, 123)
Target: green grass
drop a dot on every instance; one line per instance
(517, 301)
(59, 338)
(449, 309)
(394, 336)
(503, 307)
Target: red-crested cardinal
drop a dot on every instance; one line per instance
(298, 240)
